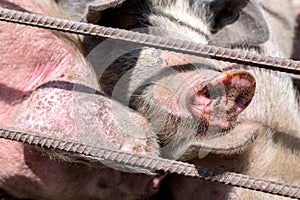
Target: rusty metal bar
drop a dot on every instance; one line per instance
(153, 163)
(218, 53)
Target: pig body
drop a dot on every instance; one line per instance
(39, 71)
(149, 78)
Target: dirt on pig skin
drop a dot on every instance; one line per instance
(37, 76)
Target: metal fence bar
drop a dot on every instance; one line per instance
(153, 163)
(218, 53)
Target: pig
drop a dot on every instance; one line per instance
(262, 141)
(43, 78)
(238, 88)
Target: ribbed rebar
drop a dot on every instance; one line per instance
(153, 163)
(218, 53)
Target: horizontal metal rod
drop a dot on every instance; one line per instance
(152, 163)
(186, 47)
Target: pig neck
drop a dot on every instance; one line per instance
(275, 102)
(32, 57)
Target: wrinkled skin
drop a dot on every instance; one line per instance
(32, 57)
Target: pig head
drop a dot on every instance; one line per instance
(186, 100)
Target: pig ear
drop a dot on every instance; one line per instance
(95, 8)
(238, 23)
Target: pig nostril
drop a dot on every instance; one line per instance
(102, 184)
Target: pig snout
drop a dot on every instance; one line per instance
(215, 98)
